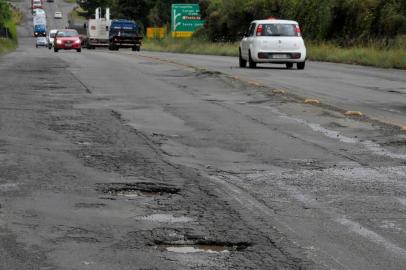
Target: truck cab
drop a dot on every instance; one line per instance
(40, 30)
(124, 34)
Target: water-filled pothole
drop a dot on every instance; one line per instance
(165, 218)
(195, 249)
(137, 189)
(204, 247)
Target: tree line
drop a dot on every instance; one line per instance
(5, 17)
(342, 21)
(5, 13)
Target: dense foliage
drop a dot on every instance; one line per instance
(5, 13)
(343, 21)
(7, 25)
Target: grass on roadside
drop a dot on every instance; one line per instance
(371, 55)
(191, 46)
(7, 45)
(77, 14)
(368, 56)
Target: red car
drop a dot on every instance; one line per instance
(67, 39)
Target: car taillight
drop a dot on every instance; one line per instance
(298, 31)
(259, 30)
(263, 55)
(295, 55)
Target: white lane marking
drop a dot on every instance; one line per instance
(402, 201)
(8, 187)
(252, 204)
(309, 200)
(352, 225)
(369, 145)
(371, 236)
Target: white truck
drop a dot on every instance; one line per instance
(39, 19)
(98, 30)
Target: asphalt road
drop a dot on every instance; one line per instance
(123, 160)
(379, 93)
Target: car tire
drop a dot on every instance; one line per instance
(36, 46)
(49, 47)
(251, 62)
(301, 65)
(78, 50)
(111, 48)
(55, 49)
(242, 62)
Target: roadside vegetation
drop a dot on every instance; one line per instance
(372, 54)
(193, 46)
(77, 14)
(9, 18)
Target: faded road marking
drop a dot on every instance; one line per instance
(371, 236)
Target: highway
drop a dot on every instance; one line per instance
(125, 160)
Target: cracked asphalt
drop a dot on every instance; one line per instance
(127, 161)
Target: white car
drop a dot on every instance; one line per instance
(38, 12)
(51, 37)
(58, 15)
(273, 41)
(41, 41)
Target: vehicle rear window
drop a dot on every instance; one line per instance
(68, 33)
(124, 26)
(52, 35)
(279, 30)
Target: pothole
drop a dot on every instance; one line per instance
(199, 248)
(204, 248)
(83, 143)
(137, 189)
(90, 205)
(165, 218)
(396, 143)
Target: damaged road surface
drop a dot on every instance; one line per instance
(120, 161)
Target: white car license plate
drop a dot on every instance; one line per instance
(280, 56)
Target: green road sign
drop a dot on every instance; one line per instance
(186, 18)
